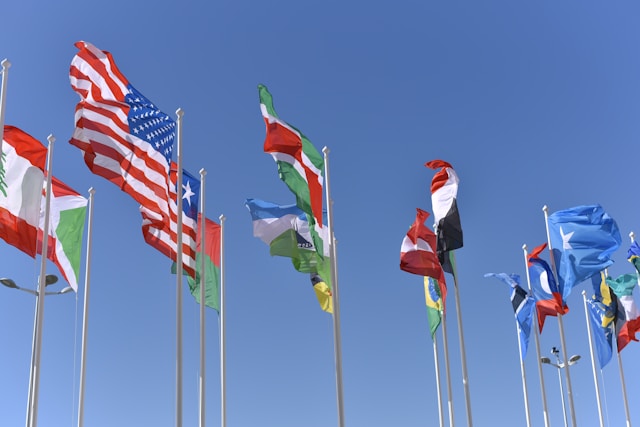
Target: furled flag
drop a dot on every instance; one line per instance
(628, 315)
(161, 233)
(547, 293)
(444, 191)
(286, 230)
(123, 136)
(583, 239)
(523, 307)
(300, 165)
(435, 303)
(633, 255)
(211, 265)
(67, 213)
(417, 253)
(24, 160)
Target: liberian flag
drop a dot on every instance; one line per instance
(628, 315)
(21, 189)
(444, 190)
(287, 232)
(545, 289)
(300, 165)
(67, 213)
(417, 253)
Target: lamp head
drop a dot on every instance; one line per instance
(50, 279)
(545, 360)
(8, 283)
(573, 359)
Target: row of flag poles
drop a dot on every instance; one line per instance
(127, 140)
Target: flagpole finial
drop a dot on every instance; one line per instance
(325, 150)
(222, 218)
(524, 247)
(51, 138)
(5, 64)
(632, 236)
(545, 209)
(92, 191)
(584, 292)
(179, 113)
(203, 172)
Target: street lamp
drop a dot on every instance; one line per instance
(50, 279)
(560, 365)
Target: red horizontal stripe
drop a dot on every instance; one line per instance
(17, 232)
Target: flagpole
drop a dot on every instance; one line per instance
(3, 95)
(438, 387)
(223, 358)
(203, 298)
(463, 357)
(179, 113)
(593, 359)
(445, 344)
(335, 295)
(85, 311)
(563, 342)
(524, 377)
(545, 411)
(41, 287)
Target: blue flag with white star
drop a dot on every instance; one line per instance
(583, 239)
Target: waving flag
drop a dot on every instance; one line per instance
(123, 136)
(435, 303)
(161, 232)
(628, 315)
(285, 228)
(444, 193)
(583, 239)
(20, 197)
(417, 253)
(547, 293)
(300, 165)
(633, 255)
(523, 307)
(602, 327)
(67, 213)
(211, 265)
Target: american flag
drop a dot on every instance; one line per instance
(123, 136)
(162, 234)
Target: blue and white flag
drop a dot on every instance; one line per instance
(583, 239)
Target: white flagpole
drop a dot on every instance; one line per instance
(593, 359)
(223, 368)
(179, 113)
(41, 287)
(203, 298)
(524, 377)
(463, 357)
(3, 96)
(85, 311)
(335, 295)
(445, 344)
(437, 370)
(537, 339)
(563, 342)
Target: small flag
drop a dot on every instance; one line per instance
(417, 253)
(523, 307)
(583, 239)
(628, 315)
(602, 326)
(435, 304)
(547, 293)
(211, 265)
(633, 255)
(323, 293)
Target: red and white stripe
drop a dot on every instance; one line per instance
(418, 250)
(102, 131)
(444, 188)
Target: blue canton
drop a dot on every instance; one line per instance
(150, 124)
(190, 195)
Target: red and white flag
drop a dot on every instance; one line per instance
(417, 253)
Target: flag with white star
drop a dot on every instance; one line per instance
(583, 239)
(162, 234)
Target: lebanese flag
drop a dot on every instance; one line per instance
(417, 253)
(21, 180)
(444, 190)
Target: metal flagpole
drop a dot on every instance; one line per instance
(537, 339)
(563, 342)
(463, 357)
(3, 96)
(223, 357)
(593, 359)
(624, 389)
(179, 231)
(85, 312)
(41, 288)
(334, 290)
(203, 298)
(445, 344)
(524, 378)
(437, 371)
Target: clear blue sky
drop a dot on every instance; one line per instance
(532, 103)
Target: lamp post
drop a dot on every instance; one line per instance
(560, 365)
(50, 279)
